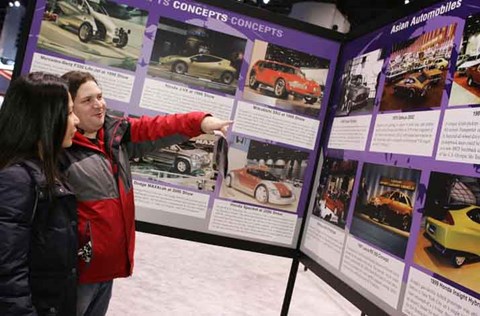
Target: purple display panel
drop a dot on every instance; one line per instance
(401, 160)
(163, 57)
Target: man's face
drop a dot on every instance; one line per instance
(90, 107)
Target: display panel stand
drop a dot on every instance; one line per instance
(362, 303)
(290, 285)
(175, 232)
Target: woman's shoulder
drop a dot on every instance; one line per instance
(17, 199)
(16, 173)
(16, 186)
(25, 171)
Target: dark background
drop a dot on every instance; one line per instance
(357, 12)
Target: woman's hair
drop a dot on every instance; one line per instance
(75, 79)
(33, 122)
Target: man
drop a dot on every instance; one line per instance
(98, 170)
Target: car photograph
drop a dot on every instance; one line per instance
(50, 16)
(434, 75)
(432, 49)
(441, 63)
(331, 209)
(463, 67)
(461, 59)
(356, 94)
(457, 234)
(285, 80)
(392, 207)
(415, 85)
(261, 184)
(6, 71)
(90, 20)
(7, 64)
(200, 65)
(394, 75)
(473, 75)
(184, 161)
(420, 65)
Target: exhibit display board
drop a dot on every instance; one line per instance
(175, 56)
(395, 212)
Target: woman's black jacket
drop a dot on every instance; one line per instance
(38, 249)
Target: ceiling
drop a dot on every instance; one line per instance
(357, 12)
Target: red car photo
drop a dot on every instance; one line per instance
(284, 79)
(331, 209)
(473, 75)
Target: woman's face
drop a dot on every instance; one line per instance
(72, 122)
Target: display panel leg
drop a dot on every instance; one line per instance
(289, 291)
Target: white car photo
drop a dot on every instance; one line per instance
(90, 20)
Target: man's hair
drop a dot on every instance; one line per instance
(33, 122)
(75, 79)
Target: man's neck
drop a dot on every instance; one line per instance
(90, 135)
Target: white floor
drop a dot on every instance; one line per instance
(178, 277)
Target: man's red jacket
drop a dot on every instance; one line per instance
(99, 173)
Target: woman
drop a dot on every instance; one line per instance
(38, 239)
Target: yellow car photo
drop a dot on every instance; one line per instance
(201, 65)
(392, 207)
(441, 63)
(457, 235)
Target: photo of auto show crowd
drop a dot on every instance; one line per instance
(417, 69)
